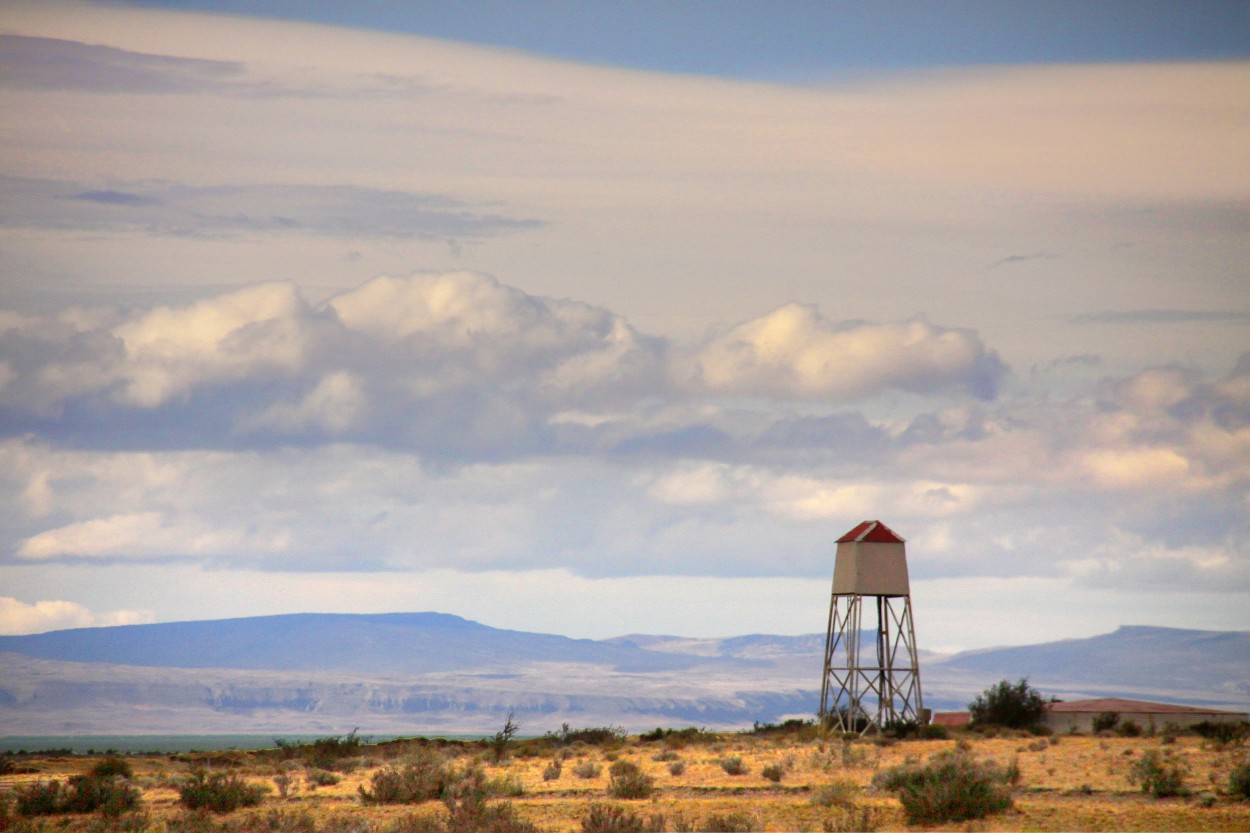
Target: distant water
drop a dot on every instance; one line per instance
(166, 744)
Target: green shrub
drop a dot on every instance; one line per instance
(627, 780)
(1222, 733)
(733, 765)
(553, 770)
(1239, 780)
(952, 786)
(609, 818)
(112, 765)
(423, 779)
(730, 823)
(773, 772)
(465, 798)
(219, 792)
(1105, 722)
(1159, 774)
(42, 798)
(586, 769)
(81, 794)
(1012, 706)
(321, 777)
(1129, 729)
(597, 735)
(676, 767)
(933, 731)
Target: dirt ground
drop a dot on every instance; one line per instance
(1065, 783)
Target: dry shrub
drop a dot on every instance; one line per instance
(627, 780)
(952, 786)
(220, 792)
(1159, 774)
(422, 779)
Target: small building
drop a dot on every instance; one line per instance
(1078, 715)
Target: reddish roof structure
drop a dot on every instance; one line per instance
(1117, 704)
(873, 532)
(955, 720)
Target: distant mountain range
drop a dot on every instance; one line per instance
(432, 673)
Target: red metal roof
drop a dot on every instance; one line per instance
(1117, 704)
(873, 532)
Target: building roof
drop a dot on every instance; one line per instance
(1117, 704)
(873, 532)
(953, 719)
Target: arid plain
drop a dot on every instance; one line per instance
(791, 780)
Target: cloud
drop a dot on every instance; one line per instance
(159, 208)
(1162, 316)
(17, 617)
(458, 365)
(794, 351)
(56, 64)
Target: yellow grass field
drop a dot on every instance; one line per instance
(1065, 783)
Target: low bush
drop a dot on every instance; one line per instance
(467, 811)
(112, 765)
(423, 779)
(321, 778)
(774, 772)
(854, 819)
(1105, 722)
(677, 768)
(933, 731)
(609, 818)
(733, 765)
(835, 794)
(1222, 733)
(81, 794)
(552, 771)
(1159, 774)
(594, 735)
(952, 786)
(220, 792)
(730, 823)
(1239, 780)
(586, 769)
(42, 798)
(1129, 729)
(627, 780)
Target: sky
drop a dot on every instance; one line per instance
(607, 318)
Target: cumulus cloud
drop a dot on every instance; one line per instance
(455, 364)
(18, 617)
(794, 351)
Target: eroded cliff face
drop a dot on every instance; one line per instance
(51, 697)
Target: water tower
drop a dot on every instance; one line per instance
(871, 679)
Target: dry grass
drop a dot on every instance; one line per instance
(1075, 783)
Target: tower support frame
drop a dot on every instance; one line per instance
(871, 680)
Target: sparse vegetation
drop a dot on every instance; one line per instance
(1159, 774)
(1084, 783)
(586, 769)
(501, 739)
(733, 765)
(610, 818)
(1017, 706)
(111, 795)
(1239, 781)
(422, 779)
(627, 780)
(952, 786)
(219, 792)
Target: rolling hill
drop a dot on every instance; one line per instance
(428, 673)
